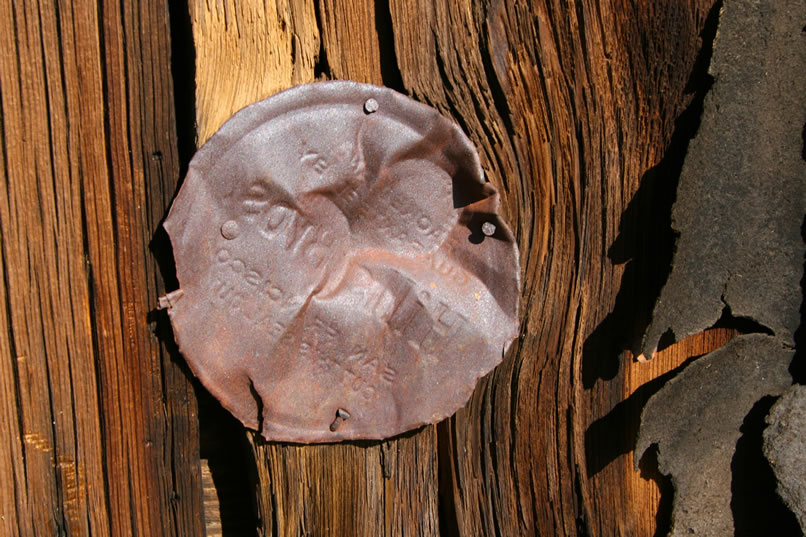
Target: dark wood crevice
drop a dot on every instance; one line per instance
(183, 74)
(390, 71)
(321, 69)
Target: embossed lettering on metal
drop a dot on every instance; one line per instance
(343, 271)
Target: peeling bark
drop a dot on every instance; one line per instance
(785, 448)
(739, 259)
(741, 199)
(695, 420)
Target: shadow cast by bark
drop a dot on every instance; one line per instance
(614, 435)
(798, 367)
(648, 466)
(646, 240)
(757, 508)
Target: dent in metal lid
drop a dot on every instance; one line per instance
(344, 273)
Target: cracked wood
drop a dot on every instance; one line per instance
(571, 107)
(98, 421)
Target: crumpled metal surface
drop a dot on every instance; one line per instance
(343, 270)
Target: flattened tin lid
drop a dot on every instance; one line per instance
(344, 273)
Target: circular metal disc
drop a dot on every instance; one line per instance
(343, 270)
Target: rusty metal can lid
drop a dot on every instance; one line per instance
(343, 271)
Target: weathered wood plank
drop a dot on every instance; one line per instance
(591, 91)
(572, 107)
(246, 51)
(99, 419)
(569, 108)
(335, 490)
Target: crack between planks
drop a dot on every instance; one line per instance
(59, 517)
(92, 282)
(391, 75)
(9, 317)
(321, 68)
(447, 520)
(183, 73)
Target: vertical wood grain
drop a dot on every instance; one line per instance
(98, 419)
(317, 490)
(246, 51)
(572, 106)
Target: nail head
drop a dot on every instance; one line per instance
(370, 106)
